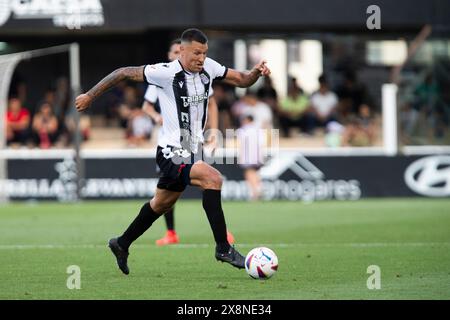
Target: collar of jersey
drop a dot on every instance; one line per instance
(189, 73)
(183, 67)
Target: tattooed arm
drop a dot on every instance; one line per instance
(246, 79)
(84, 100)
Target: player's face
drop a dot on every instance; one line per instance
(174, 52)
(193, 55)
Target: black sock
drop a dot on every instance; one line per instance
(170, 223)
(141, 223)
(212, 203)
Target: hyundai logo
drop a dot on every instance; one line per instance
(429, 176)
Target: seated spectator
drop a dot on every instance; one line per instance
(352, 95)
(140, 127)
(324, 103)
(224, 97)
(360, 132)
(50, 98)
(295, 111)
(127, 106)
(70, 125)
(17, 123)
(334, 134)
(45, 127)
(267, 93)
(250, 105)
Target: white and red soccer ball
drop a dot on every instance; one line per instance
(261, 263)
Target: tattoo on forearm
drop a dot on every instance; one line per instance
(127, 73)
(250, 77)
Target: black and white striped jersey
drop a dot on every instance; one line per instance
(151, 94)
(183, 99)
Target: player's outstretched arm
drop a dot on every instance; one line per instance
(83, 101)
(246, 79)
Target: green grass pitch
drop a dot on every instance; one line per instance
(324, 250)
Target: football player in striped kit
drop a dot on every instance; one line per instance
(183, 92)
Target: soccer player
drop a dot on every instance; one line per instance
(151, 107)
(183, 89)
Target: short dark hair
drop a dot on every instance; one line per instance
(323, 79)
(249, 117)
(193, 34)
(176, 41)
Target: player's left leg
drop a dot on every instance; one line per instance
(210, 180)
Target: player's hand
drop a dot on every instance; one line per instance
(158, 120)
(211, 144)
(262, 68)
(82, 102)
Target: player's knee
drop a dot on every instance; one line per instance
(214, 181)
(160, 206)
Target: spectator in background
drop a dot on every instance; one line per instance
(127, 105)
(140, 127)
(360, 131)
(17, 123)
(114, 99)
(45, 127)
(64, 114)
(50, 99)
(334, 134)
(62, 98)
(268, 94)
(324, 103)
(351, 96)
(423, 104)
(224, 97)
(250, 105)
(250, 158)
(295, 111)
(70, 127)
(18, 88)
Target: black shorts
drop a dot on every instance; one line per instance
(173, 172)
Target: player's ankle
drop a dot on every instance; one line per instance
(223, 247)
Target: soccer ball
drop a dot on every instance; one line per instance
(261, 263)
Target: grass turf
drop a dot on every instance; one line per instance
(324, 250)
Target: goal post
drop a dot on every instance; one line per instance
(8, 63)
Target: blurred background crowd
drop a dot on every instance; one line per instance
(342, 116)
(325, 89)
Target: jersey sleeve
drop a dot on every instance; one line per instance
(211, 92)
(151, 94)
(217, 70)
(157, 74)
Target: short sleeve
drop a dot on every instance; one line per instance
(217, 71)
(211, 92)
(151, 94)
(334, 99)
(157, 74)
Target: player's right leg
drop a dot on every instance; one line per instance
(149, 213)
